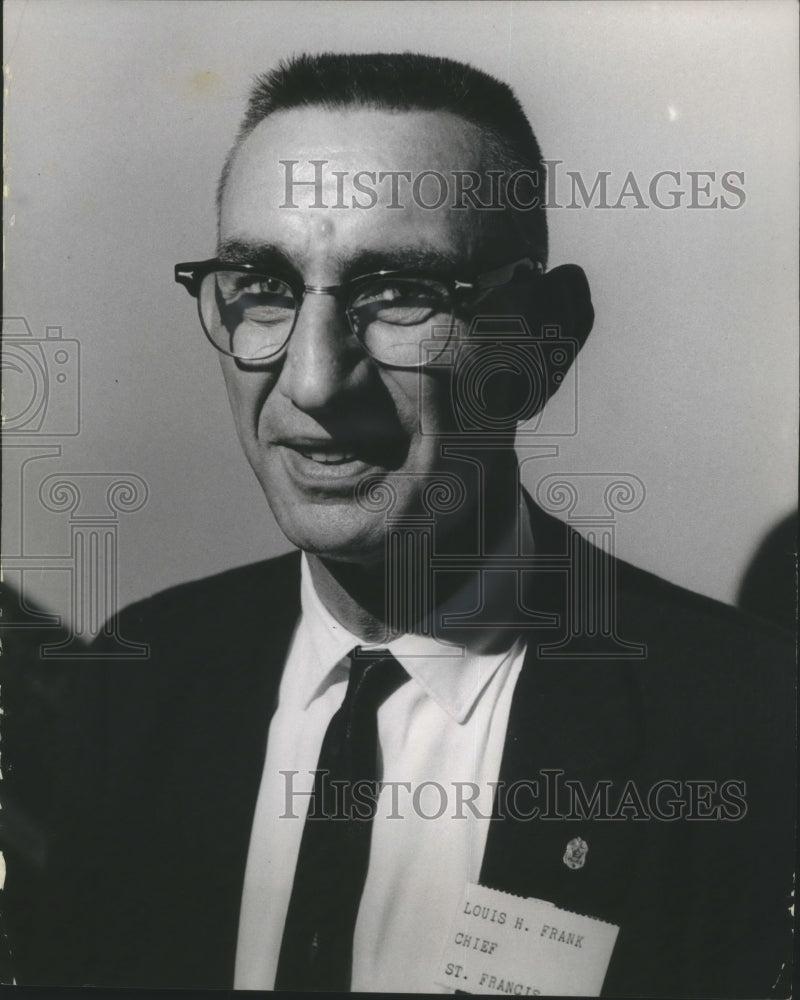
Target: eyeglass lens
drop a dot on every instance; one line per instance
(251, 316)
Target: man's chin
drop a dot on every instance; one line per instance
(332, 538)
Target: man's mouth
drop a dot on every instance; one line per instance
(327, 457)
(319, 464)
(385, 452)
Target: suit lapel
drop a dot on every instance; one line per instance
(217, 766)
(571, 721)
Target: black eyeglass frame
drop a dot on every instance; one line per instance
(191, 275)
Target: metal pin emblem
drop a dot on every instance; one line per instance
(575, 854)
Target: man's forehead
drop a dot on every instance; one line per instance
(365, 138)
(320, 179)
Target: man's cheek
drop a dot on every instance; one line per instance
(248, 392)
(420, 401)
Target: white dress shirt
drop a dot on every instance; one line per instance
(442, 729)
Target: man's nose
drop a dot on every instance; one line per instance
(323, 357)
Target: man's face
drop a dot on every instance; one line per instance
(327, 415)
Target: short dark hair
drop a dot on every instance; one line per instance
(406, 81)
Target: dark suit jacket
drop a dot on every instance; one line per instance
(162, 759)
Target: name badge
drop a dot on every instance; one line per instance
(504, 944)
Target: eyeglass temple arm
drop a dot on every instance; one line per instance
(500, 277)
(506, 274)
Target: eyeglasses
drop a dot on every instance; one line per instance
(250, 314)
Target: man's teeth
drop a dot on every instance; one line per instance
(328, 457)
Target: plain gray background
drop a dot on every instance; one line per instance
(119, 115)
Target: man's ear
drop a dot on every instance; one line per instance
(559, 319)
(563, 300)
(509, 366)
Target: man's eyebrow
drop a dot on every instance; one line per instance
(366, 261)
(401, 259)
(241, 252)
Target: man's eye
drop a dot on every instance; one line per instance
(270, 286)
(261, 286)
(401, 291)
(386, 293)
(399, 302)
(254, 288)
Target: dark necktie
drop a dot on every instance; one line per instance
(317, 946)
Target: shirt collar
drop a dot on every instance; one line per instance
(453, 675)
(330, 641)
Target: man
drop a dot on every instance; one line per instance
(379, 301)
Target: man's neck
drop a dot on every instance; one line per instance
(353, 594)
(359, 597)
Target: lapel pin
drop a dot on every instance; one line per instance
(575, 854)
